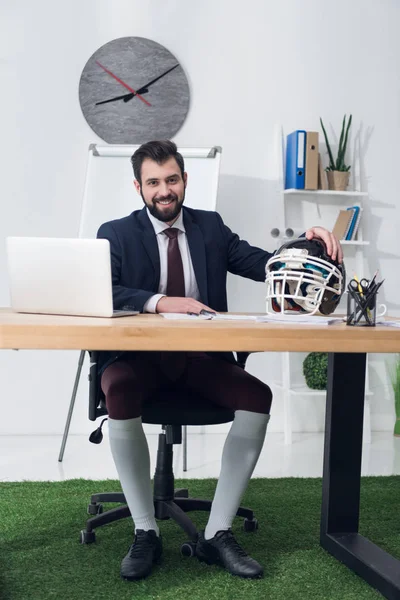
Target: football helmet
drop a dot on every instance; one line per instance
(302, 278)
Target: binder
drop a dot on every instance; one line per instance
(322, 178)
(352, 212)
(355, 215)
(342, 224)
(295, 160)
(312, 147)
(357, 223)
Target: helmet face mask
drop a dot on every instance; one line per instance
(301, 278)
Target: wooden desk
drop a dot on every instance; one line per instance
(347, 347)
(152, 332)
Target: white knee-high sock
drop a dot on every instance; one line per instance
(240, 455)
(131, 455)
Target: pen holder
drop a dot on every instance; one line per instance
(361, 309)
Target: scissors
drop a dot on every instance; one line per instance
(360, 286)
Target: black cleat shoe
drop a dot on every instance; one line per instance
(144, 552)
(224, 550)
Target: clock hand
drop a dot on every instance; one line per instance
(123, 83)
(128, 97)
(116, 98)
(125, 98)
(142, 90)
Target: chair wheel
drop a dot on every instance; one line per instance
(188, 549)
(88, 537)
(95, 509)
(250, 524)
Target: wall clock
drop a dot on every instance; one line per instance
(133, 90)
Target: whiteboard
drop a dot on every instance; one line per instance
(110, 194)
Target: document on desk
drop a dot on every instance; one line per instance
(183, 316)
(303, 319)
(216, 317)
(389, 323)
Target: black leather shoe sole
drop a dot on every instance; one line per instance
(219, 563)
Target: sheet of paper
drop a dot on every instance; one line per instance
(389, 323)
(183, 316)
(217, 317)
(299, 319)
(235, 317)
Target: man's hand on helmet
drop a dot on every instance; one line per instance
(333, 247)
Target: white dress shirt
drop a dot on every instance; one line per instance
(191, 288)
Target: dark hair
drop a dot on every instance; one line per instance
(159, 151)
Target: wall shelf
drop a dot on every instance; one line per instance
(354, 243)
(300, 209)
(294, 192)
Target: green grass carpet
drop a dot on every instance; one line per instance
(41, 557)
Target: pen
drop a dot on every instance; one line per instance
(374, 277)
(203, 312)
(370, 300)
(372, 290)
(376, 287)
(359, 285)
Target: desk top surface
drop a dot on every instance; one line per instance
(153, 332)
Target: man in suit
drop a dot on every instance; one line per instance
(169, 258)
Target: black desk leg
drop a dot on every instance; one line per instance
(341, 478)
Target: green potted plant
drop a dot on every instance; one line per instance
(315, 370)
(338, 172)
(395, 378)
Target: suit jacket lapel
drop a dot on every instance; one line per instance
(149, 241)
(198, 254)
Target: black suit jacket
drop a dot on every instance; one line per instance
(214, 250)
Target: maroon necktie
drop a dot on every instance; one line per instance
(173, 363)
(176, 281)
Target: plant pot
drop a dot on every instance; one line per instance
(396, 431)
(338, 180)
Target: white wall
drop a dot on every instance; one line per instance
(250, 66)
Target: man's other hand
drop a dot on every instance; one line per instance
(176, 304)
(333, 247)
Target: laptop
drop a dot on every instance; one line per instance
(61, 276)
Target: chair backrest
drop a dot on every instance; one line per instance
(109, 193)
(97, 405)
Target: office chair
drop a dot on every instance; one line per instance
(172, 409)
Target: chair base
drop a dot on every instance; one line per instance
(175, 509)
(169, 503)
